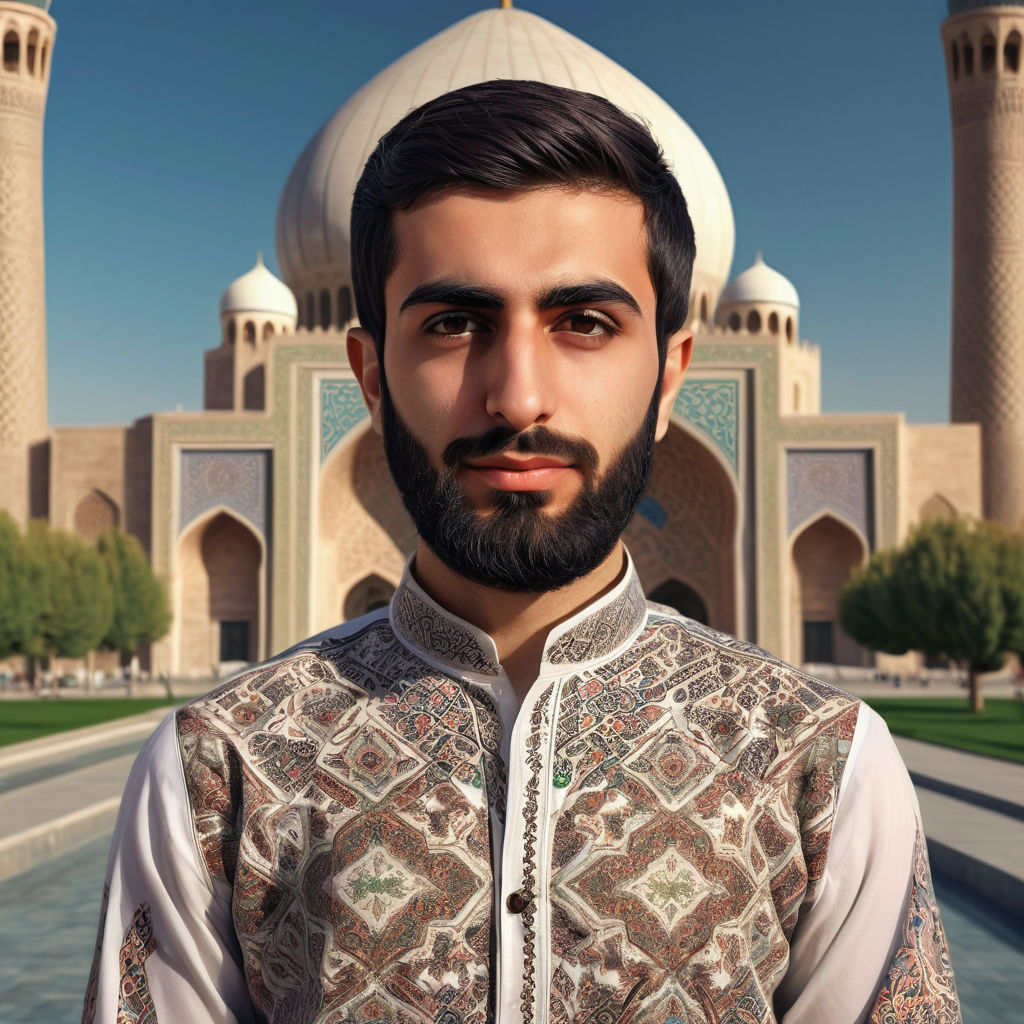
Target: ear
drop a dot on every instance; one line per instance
(677, 359)
(362, 357)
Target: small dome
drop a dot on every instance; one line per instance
(316, 204)
(760, 283)
(259, 292)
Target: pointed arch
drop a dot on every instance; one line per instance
(937, 507)
(361, 529)
(823, 551)
(369, 594)
(94, 513)
(696, 542)
(12, 50)
(219, 588)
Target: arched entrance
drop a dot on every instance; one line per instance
(824, 553)
(363, 529)
(367, 595)
(95, 513)
(685, 533)
(220, 588)
(684, 599)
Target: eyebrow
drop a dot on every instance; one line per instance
(447, 292)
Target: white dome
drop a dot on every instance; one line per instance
(760, 283)
(258, 291)
(313, 214)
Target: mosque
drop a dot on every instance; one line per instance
(270, 513)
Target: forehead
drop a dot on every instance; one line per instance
(523, 241)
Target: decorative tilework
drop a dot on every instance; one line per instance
(652, 510)
(713, 405)
(237, 479)
(831, 481)
(341, 408)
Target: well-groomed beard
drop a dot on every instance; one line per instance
(514, 545)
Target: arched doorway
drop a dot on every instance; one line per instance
(369, 594)
(824, 554)
(94, 514)
(686, 528)
(220, 587)
(363, 529)
(684, 599)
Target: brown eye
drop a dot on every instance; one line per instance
(452, 325)
(588, 324)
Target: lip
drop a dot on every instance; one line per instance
(538, 473)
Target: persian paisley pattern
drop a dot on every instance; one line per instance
(919, 987)
(341, 794)
(135, 1003)
(696, 783)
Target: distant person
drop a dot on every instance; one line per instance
(520, 794)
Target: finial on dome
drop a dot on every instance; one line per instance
(259, 257)
(759, 257)
(506, 5)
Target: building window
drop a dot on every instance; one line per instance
(325, 309)
(789, 328)
(268, 330)
(42, 59)
(773, 323)
(734, 322)
(954, 60)
(249, 332)
(704, 309)
(1011, 53)
(988, 53)
(232, 332)
(968, 57)
(753, 321)
(30, 51)
(12, 51)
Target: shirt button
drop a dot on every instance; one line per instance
(517, 901)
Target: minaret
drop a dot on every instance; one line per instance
(983, 51)
(28, 32)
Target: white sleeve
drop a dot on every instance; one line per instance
(166, 949)
(843, 943)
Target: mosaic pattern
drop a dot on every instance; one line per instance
(341, 408)
(831, 481)
(236, 479)
(713, 405)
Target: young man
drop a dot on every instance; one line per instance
(520, 794)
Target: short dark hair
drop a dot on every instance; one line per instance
(518, 135)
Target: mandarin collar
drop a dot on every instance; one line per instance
(593, 634)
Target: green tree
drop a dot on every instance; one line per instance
(141, 613)
(78, 596)
(942, 594)
(23, 590)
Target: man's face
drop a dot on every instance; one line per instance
(520, 394)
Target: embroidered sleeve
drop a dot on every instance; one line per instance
(868, 944)
(166, 949)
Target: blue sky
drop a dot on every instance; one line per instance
(171, 129)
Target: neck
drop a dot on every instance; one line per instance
(518, 623)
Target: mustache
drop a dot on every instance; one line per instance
(538, 441)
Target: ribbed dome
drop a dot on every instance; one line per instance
(313, 214)
(258, 291)
(760, 283)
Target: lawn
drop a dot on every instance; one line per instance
(29, 719)
(997, 732)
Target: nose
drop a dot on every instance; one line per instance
(520, 384)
